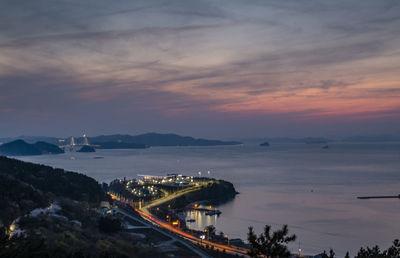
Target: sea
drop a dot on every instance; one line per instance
(311, 189)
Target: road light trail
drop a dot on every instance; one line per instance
(194, 239)
(144, 212)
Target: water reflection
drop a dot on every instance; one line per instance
(201, 219)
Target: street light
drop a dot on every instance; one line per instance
(299, 250)
(202, 237)
(208, 233)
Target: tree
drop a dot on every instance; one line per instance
(270, 245)
(347, 255)
(375, 252)
(210, 230)
(394, 250)
(109, 225)
(331, 254)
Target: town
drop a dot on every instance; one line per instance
(154, 199)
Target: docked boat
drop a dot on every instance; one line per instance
(214, 212)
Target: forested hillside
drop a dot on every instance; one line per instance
(48, 212)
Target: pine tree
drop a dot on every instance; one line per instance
(270, 245)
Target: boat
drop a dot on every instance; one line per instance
(98, 157)
(214, 212)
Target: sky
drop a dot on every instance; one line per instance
(217, 69)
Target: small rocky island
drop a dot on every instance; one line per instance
(87, 148)
(264, 144)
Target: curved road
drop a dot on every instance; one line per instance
(144, 212)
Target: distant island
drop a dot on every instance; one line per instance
(307, 140)
(264, 144)
(22, 148)
(87, 149)
(32, 139)
(315, 140)
(125, 141)
(154, 139)
(119, 145)
(373, 138)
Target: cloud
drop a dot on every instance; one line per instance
(266, 58)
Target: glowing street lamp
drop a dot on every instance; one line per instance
(208, 233)
(202, 237)
(299, 250)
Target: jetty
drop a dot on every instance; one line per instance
(380, 197)
(208, 211)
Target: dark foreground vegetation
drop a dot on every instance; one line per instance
(273, 245)
(270, 244)
(74, 229)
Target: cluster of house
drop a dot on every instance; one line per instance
(168, 180)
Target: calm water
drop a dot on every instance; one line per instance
(311, 189)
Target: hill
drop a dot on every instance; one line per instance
(119, 145)
(22, 148)
(47, 148)
(125, 141)
(156, 139)
(19, 148)
(32, 139)
(87, 149)
(47, 212)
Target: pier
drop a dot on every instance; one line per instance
(380, 197)
(209, 211)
